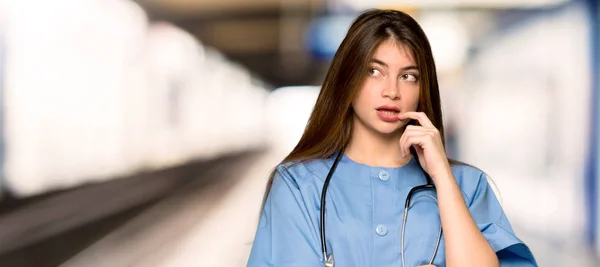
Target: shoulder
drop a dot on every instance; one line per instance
(471, 180)
(299, 173)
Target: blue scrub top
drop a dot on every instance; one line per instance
(364, 209)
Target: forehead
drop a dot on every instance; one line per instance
(394, 54)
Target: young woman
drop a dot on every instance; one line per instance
(375, 133)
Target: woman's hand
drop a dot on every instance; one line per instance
(427, 142)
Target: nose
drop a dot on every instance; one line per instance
(391, 90)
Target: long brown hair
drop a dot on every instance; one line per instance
(327, 131)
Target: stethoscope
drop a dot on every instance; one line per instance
(328, 258)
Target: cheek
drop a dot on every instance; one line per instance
(415, 101)
(411, 98)
(364, 97)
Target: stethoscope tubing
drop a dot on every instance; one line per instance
(328, 258)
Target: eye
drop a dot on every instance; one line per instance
(410, 77)
(375, 72)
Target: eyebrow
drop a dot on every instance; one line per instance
(411, 67)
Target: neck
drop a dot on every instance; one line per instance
(375, 149)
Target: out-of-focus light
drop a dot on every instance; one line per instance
(62, 93)
(361, 4)
(326, 34)
(448, 37)
(171, 48)
(287, 111)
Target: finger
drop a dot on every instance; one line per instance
(409, 132)
(412, 131)
(419, 116)
(405, 146)
(417, 141)
(412, 128)
(430, 131)
(418, 131)
(409, 140)
(419, 151)
(428, 134)
(401, 144)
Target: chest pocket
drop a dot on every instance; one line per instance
(422, 230)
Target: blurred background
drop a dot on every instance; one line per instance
(142, 133)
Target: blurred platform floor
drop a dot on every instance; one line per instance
(213, 225)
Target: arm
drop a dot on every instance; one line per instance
(465, 244)
(286, 234)
(478, 234)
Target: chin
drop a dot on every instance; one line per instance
(379, 127)
(387, 129)
(388, 132)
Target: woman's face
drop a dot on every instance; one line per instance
(391, 87)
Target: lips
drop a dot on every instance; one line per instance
(388, 113)
(388, 109)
